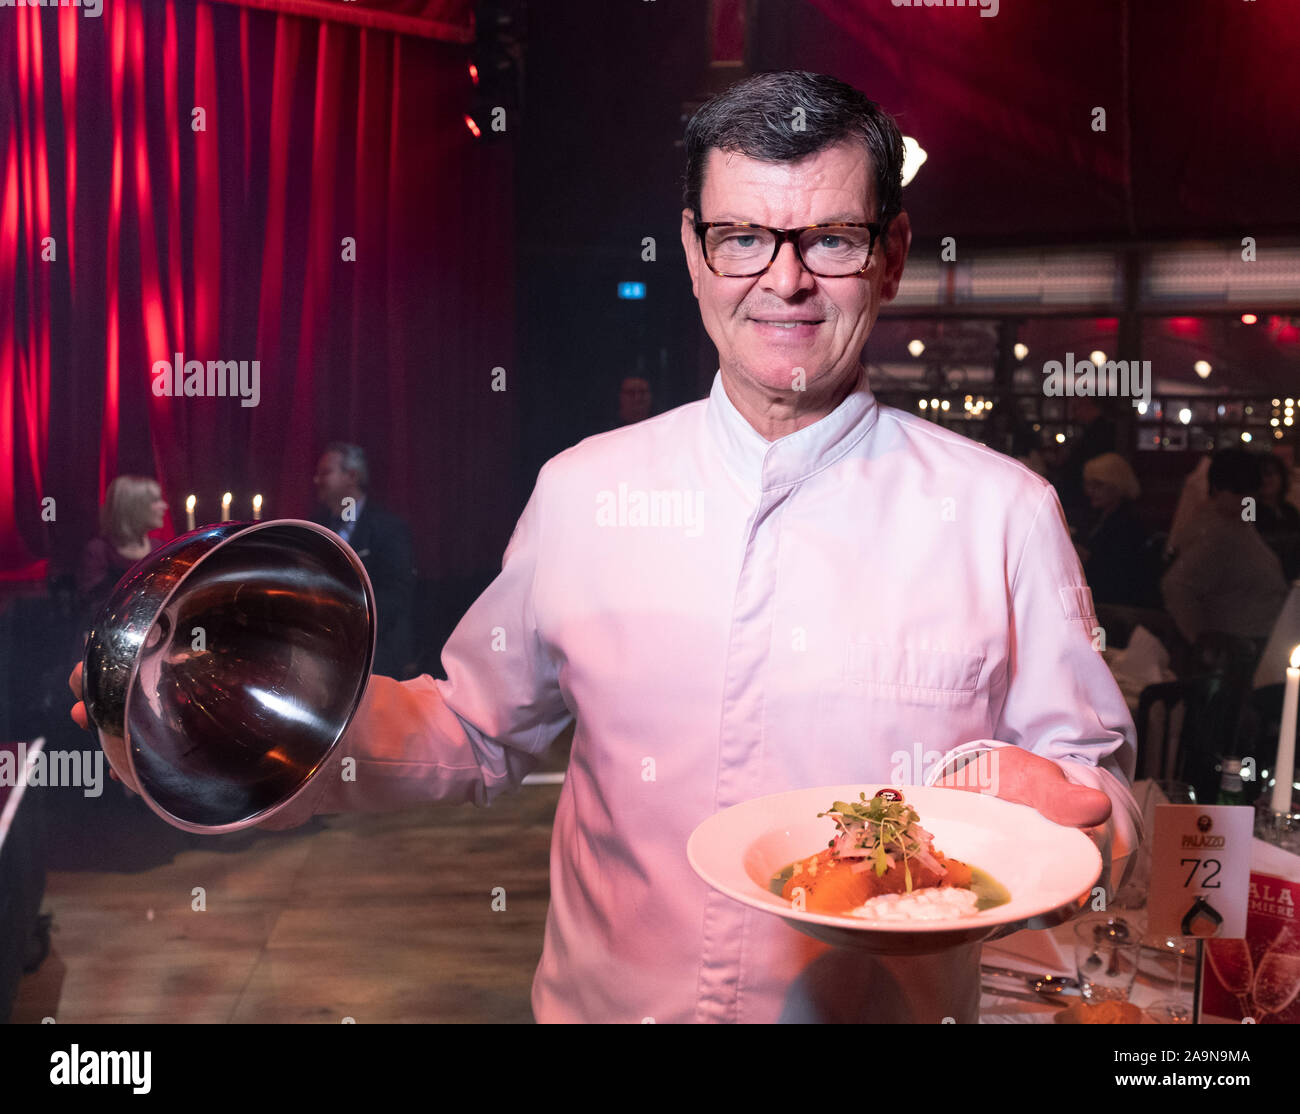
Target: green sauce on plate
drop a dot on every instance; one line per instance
(989, 892)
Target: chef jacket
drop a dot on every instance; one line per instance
(727, 617)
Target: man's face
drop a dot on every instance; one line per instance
(634, 400)
(332, 483)
(836, 184)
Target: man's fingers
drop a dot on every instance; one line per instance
(1077, 806)
(1027, 779)
(79, 716)
(114, 748)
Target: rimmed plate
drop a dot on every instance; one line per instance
(1049, 870)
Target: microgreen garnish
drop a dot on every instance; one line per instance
(880, 826)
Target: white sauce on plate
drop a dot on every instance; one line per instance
(934, 903)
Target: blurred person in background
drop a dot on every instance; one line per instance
(1027, 447)
(1225, 578)
(1276, 518)
(132, 507)
(1113, 547)
(634, 401)
(1193, 502)
(383, 542)
(1097, 436)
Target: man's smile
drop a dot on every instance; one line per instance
(781, 328)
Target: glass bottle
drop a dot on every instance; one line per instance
(1231, 789)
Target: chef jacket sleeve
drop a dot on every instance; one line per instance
(1061, 701)
(467, 738)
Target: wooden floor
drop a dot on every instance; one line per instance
(380, 918)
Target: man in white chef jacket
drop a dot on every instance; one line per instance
(778, 587)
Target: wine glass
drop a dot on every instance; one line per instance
(1277, 979)
(1106, 958)
(1230, 960)
(1177, 792)
(1168, 952)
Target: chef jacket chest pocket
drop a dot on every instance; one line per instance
(911, 674)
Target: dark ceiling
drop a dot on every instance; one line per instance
(1202, 103)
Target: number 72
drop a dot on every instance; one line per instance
(1206, 884)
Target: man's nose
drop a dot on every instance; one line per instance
(787, 274)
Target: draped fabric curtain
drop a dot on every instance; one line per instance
(451, 20)
(190, 181)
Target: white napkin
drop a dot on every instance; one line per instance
(1144, 661)
(1267, 858)
(1034, 951)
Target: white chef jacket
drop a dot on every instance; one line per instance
(728, 617)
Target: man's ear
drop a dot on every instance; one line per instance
(691, 245)
(898, 242)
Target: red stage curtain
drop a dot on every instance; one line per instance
(131, 230)
(449, 20)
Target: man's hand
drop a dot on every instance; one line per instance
(114, 748)
(1017, 775)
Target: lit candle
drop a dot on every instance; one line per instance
(1286, 737)
(190, 504)
(257, 508)
(225, 507)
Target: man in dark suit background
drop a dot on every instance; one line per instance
(383, 542)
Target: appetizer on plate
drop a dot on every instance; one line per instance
(884, 866)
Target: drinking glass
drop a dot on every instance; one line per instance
(1231, 963)
(1162, 962)
(1277, 978)
(1106, 957)
(1178, 792)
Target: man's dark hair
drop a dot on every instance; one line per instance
(1236, 470)
(756, 117)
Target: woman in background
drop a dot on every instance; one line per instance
(133, 505)
(1114, 548)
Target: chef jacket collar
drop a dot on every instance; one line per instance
(763, 465)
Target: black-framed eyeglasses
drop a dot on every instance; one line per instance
(739, 249)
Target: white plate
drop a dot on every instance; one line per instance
(1049, 870)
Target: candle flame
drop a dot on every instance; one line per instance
(257, 502)
(225, 499)
(1295, 658)
(190, 502)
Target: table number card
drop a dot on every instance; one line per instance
(1200, 870)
